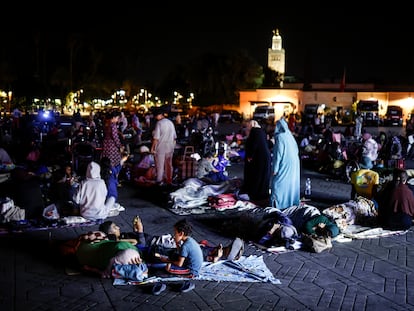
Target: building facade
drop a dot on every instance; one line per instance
(338, 98)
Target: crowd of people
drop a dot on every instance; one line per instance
(272, 171)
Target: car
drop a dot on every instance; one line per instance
(229, 115)
(264, 113)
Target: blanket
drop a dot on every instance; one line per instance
(45, 224)
(361, 232)
(245, 269)
(193, 197)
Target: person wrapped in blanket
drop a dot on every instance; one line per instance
(310, 220)
(276, 229)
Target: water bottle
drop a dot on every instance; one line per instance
(308, 187)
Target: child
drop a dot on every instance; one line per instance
(190, 255)
(110, 175)
(207, 170)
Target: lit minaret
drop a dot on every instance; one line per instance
(276, 57)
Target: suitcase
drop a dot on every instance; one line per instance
(187, 164)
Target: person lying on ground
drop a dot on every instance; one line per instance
(276, 229)
(96, 253)
(232, 251)
(136, 237)
(150, 246)
(310, 220)
(321, 225)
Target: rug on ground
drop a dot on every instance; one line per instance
(246, 269)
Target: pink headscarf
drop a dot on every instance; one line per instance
(366, 136)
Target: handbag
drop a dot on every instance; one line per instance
(315, 243)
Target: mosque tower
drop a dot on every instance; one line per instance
(276, 55)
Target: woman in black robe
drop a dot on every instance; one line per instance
(257, 164)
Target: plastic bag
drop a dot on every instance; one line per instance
(51, 212)
(316, 244)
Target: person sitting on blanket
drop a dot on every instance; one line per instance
(396, 203)
(91, 195)
(97, 254)
(207, 171)
(190, 256)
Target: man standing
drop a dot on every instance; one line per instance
(163, 144)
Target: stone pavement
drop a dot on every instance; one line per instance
(373, 274)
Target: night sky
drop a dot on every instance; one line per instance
(149, 40)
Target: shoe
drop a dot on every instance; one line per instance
(113, 213)
(118, 207)
(158, 288)
(187, 286)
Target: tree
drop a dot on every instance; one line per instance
(272, 78)
(217, 78)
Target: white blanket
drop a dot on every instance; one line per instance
(361, 232)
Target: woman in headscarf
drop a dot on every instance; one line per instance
(285, 183)
(369, 151)
(91, 195)
(257, 164)
(396, 203)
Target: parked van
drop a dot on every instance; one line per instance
(311, 111)
(369, 111)
(262, 113)
(394, 116)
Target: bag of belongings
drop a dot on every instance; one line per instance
(10, 212)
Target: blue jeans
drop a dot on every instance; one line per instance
(366, 163)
